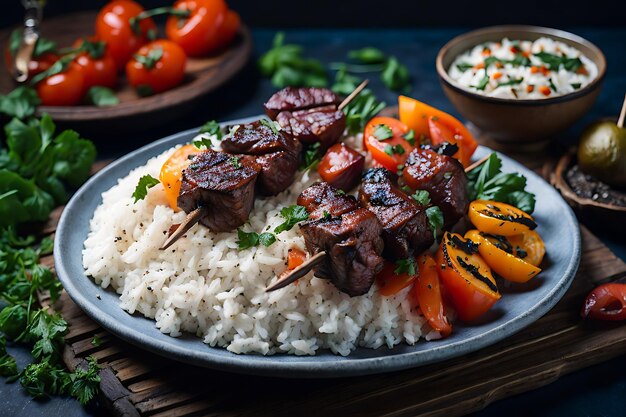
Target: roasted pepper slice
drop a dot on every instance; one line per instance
(499, 218)
(172, 172)
(427, 292)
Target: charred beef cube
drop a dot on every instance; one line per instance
(321, 124)
(292, 98)
(278, 170)
(405, 224)
(443, 177)
(353, 245)
(259, 138)
(321, 198)
(222, 183)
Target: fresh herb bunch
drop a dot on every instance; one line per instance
(21, 320)
(37, 166)
(488, 182)
(286, 66)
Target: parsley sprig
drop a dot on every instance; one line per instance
(293, 215)
(145, 183)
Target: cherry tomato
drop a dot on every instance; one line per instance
(499, 218)
(113, 27)
(99, 69)
(295, 258)
(427, 292)
(392, 151)
(441, 132)
(228, 29)
(63, 89)
(531, 244)
(341, 166)
(466, 276)
(390, 283)
(606, 302)
(501, 257)
(201, 32)
(157, 66)
(172, 172)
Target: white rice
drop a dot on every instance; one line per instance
(558, 83)
(205, 285)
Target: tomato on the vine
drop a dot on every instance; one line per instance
(113, 26)
(63, 89)
(97, 64)
(156, 67)
(208, 27)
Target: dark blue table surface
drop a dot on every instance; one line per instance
(596, 391)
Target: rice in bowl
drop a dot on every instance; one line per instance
(204, 284)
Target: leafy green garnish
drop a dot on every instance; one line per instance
(212, 128)
(270, 124)
(43, 45)
(464, 66)
(248, 240)
(405, 265)
(145, 183)
(518, 61)
(488, 182)
(422, 197)
(8, 366)
(482, 83)
(293, 215)
(576, 86)
(96, 341)
(552, 86)
(286, 66)
(394, 150)
(312, 157)
(515, 81)
(368, 55)
(150, 59)
(21, 102)
(395, 75)
(234, 161)
(435, 219)
(410, 137)
(554, 62)
(382, 132)
(102, 96)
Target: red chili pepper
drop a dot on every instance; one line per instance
(606, 302)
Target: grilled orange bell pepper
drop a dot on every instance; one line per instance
(172, 172)
(427, 292)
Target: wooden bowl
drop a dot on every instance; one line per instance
(519, 123)
(607, 216)
(203, 75)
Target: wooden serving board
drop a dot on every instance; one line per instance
(133, 113)
(138, 383)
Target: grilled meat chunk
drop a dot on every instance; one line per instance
(405, 224)
(278, 154)
(443, 177)
(224, 184)
(353, 245)
(320, 124)
(293, 98)
(321, 197)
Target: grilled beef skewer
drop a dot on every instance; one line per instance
(405, 224)
(277, 153)
(292, 99)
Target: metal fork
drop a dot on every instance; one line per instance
(32, 17)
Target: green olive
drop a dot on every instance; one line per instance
(602, 152)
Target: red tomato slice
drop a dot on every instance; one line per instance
(441, 132)
(427, 292)
(390, 283)
(389, 152)
(606, 302)
(295, 258)
(341, 166)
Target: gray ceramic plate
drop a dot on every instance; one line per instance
(516, 309)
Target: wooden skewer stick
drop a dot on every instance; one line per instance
(622, 115)
(292, 275)
(192, 218)
(301, 270)
(353, 94)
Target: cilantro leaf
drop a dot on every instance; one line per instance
(85, 383)
(96, 341)
(293, 215)
(405, 266)
(21, 102)
(312, 157)
(383, 132)
(13, 320)
(212, 128)
(410, 137)
(554, 62)
(266, 238)
(102, 96)
(395, 75)
(368, 55)
(247, 240)
(362, 108)
(145, 183)
(435, 219)
(422, 197)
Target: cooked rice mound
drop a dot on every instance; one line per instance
(204, 284)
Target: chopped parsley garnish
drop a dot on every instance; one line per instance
(202, 143)
(405, 266)
(247, 240)
(96, 341)
(145, 183)
(293, 215)
(326, 215)
(270, 124)
(435, 219)
(234, 161)
(482, 83)
(394, 150)
(340, 192)
(422, 197)
(410, 137)
(312, 157)
(383, 132)
(212, 128)
(102, 96)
